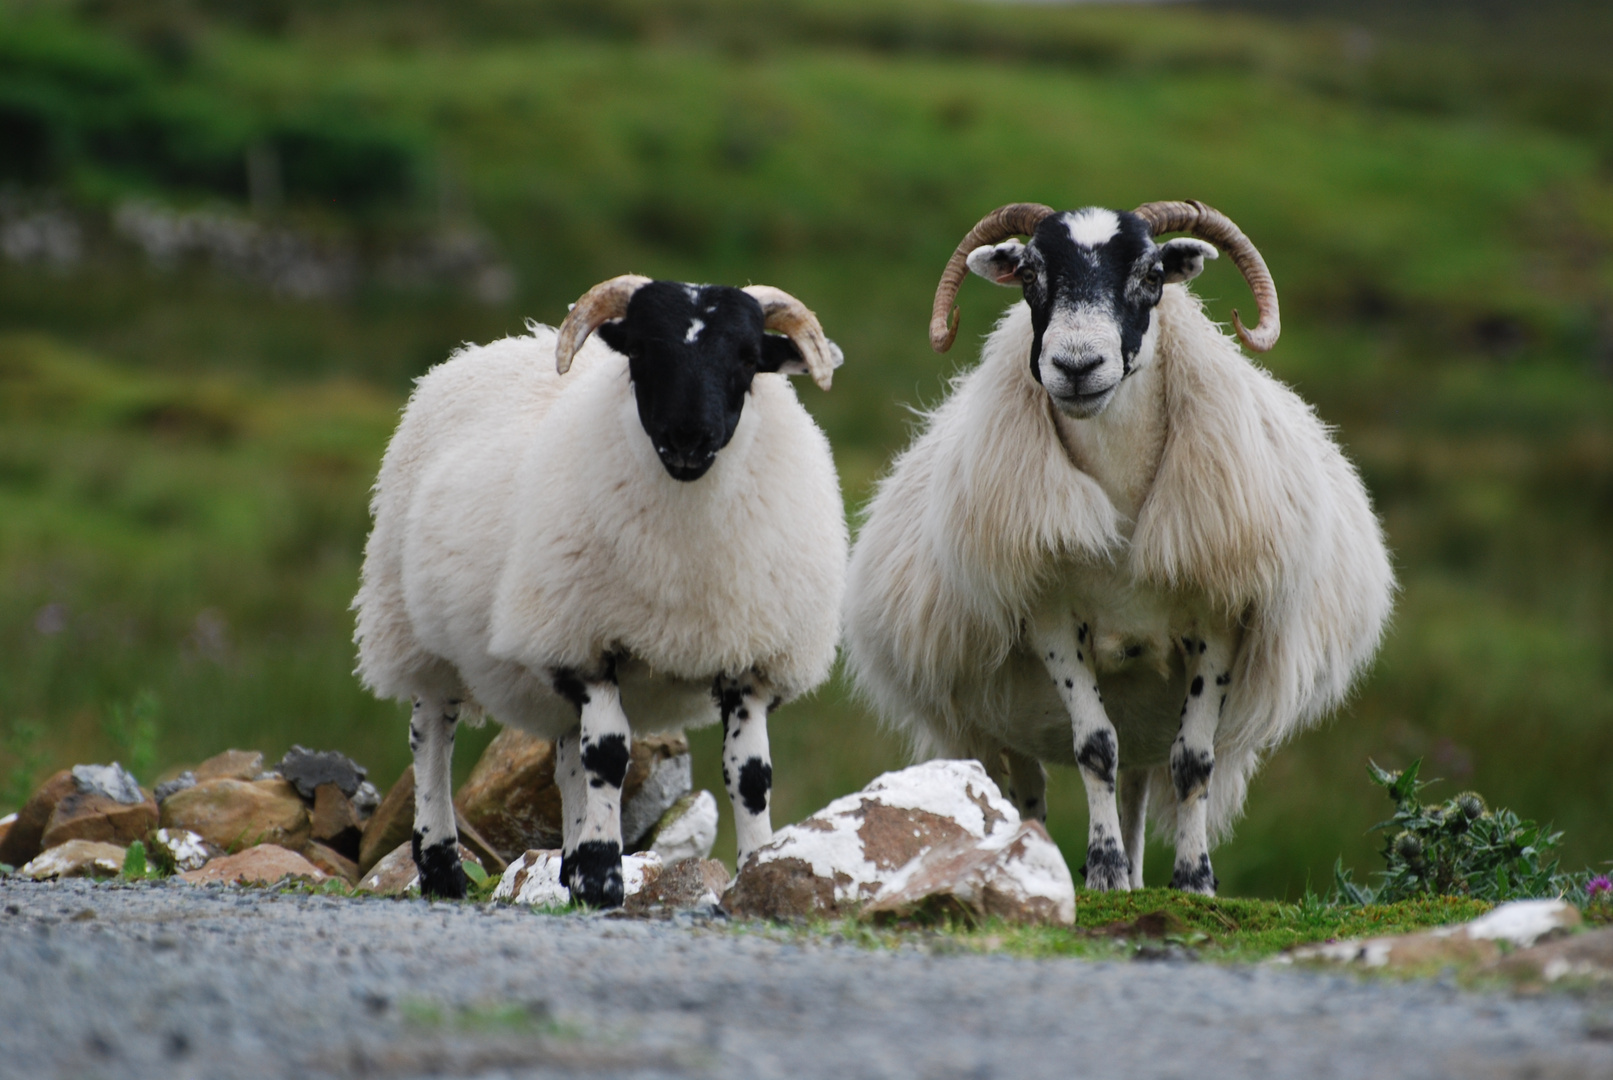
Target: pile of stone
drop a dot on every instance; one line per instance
(315, 815)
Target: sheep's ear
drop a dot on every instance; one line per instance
(1184, 258)
(780, 354)
(998, 263)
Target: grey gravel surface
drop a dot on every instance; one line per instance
(175, 981)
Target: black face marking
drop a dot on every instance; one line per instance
(1198, 686)
(593, 873)
(755, 781)
(1097, 755)
(692, 351)
(441, 874)
(606, 760)
(1195, 877)
(1190, 770)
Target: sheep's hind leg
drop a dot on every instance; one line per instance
(1064, 645)
(436, 835)
(1209, 672)
(747, 764)
(1027, 786)
(1134, 818)
(591, 858)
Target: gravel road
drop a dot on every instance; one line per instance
(177, 981)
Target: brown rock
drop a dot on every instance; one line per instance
(335, 822)
(1022, 881)
(784, 888)
(391, 824)
(91, 815)
(490, 859)
(23, 840)
(396, 873)
(233, 814)
(680, 886)
(1586, 957)
(76, 858)
(331, 862)
(511, 798)
(230, 765)
(263, 864)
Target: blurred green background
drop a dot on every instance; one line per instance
(232, 231)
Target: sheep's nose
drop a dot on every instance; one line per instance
(685, 440)
(1077, 368)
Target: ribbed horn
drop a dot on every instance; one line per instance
(1208, 223)
(1015, 219)
(793, 319)
(604, 302)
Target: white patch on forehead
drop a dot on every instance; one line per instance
(1093, 226)
(695, 326)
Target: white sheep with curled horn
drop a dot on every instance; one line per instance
(1117, 544)
(628, 525)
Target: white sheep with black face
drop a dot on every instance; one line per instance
(652, 541)
(1117, 544)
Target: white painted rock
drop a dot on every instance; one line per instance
(687, 830)
(1519, 924)
(534, 878)
(76, 858)
(940, 827)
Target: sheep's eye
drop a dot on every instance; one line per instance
(1155, 275)
(1027, 274)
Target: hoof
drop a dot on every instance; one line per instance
(1107, 868)
(442, 876)
(1195, 877)
(593, 873)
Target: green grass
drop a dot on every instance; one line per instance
(184, 459)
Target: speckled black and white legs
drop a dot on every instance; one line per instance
(1208, 660)
(436, 836)
(747, 764)
(1064, 645)
(1133, 797)
(1027, 786)
(591, 852)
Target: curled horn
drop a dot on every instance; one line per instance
(790, 317)
(1208, 223)
(604, 302)
(1015, 219)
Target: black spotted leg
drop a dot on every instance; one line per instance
(1133, 796)
(593, 768)
(436, 835)
(1064, 645)
(1208, 660)
(747, 765)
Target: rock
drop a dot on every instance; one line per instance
(686, 831)
(863, 844)
(534, 878)
(331, 861)
(231, 765)
(100, 813)
(263, 864)
(365, 800)
(396, 873)
(489, 858)
(680, 886)
(184, 780)
(511, 797)
(1024, 880)
(182, 848)
(22, 841)
(391, 824)
(108, 781)
(232, 814)
(307, 769)
(1519, 924)
(1584, 957)
(334, 822)
(76, 858)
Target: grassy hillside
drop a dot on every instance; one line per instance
(186, 440)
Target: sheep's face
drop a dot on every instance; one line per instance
(1092, 279)
(692, 351)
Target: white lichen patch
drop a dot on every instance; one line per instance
(188, 850)
(688, 830)
(534, 878)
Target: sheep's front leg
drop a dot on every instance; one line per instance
(747, 765)
(591, 852)
(1064, 645)
(1208, 661)
(435, 843)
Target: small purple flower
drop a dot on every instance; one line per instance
(1597, 886)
